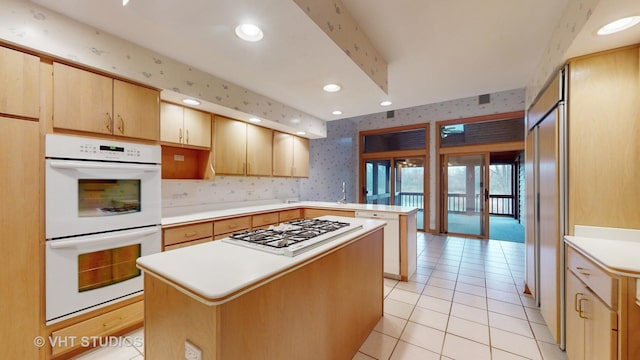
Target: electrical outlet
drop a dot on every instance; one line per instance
(192, 352)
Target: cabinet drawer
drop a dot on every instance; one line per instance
(264, 219)
(231, 225)
(187, 233)
(313, 213)
(603, 285)
(188, 243)
(289, 215)
(103, 325)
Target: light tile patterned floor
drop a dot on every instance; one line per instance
(463, 304)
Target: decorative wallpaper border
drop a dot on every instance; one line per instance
(30, 26)
(336, 21)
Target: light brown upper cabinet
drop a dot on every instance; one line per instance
(91, 102)
(19, 84)
(290, 155)
(241, 148)
(230, 146)
(259, 150)
(184, 126)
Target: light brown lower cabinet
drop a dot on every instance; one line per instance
(80, 336)
(181, 236)
(592, 327)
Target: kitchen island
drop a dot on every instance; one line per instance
(232, 302)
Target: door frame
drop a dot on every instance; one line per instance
(445, 193)
(491, 147)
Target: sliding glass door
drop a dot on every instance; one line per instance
(396, 181)
(466, 194)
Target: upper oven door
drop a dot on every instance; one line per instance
(85, 197)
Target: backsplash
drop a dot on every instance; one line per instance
(228, 189)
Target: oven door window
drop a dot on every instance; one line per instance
(103, 197)
(107, 267)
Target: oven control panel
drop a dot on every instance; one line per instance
(75, 147)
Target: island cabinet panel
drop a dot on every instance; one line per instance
(187, 235)
(90, 102)
(222, 228)
(19, 84)
(321, 309)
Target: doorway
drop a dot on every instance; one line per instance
(396, 181)
(466, 194)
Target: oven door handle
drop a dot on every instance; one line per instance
(66, 164)
(108, 239)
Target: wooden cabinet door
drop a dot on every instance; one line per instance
(600, 334)
(20, 237)
(136, 111)
(259, 150)
(575, 324)
(197, 128)
(230, 146)
(300, 157)
(282, 154)
(82, 100)
(19, 83)
(171, 120)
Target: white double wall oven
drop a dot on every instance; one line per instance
(103, 211)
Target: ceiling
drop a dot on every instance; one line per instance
(436, 50)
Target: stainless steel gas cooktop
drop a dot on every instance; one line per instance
(294, 237)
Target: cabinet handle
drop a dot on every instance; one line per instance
(111, 323)
(583, 271)
(180, 136)
(121, 125)
(190, 234)
(580, 307)
(108, 122)
(575, 301)
(187, 135)
(233, 226)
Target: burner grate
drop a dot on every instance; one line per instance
(296, 231)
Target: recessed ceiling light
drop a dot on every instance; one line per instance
(255, 120)
(125, 2)
(301, 133)
(331, 88)
(386, 103)
(619, 25)
(249, 32)
(337, 112)
(191, 102)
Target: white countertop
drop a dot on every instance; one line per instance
(616, 250)
(186, 214)
(216, 272)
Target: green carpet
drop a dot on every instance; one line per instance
(500, 227)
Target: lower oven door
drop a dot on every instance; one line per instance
(84, 273)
